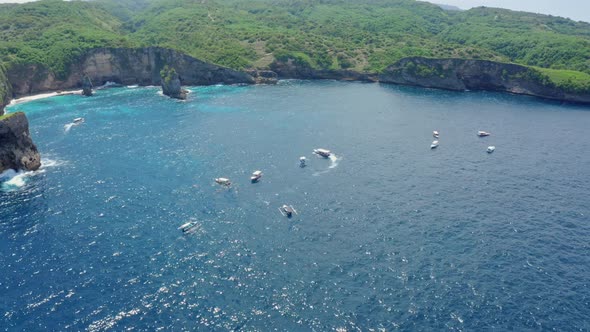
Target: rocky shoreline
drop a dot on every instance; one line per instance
(145, 66)
(447, 74)
(477, 75)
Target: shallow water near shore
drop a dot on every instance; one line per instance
(390, 234)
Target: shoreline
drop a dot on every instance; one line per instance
(44, 95)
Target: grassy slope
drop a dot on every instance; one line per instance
(54, 32)
(364, 35)
(9, 115)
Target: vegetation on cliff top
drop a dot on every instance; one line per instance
(9, 115)
(364, 35)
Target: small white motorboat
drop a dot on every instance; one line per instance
(322, 152)
(491, 149)
(223, 181)
(435, 134)
(256, 176)
(189, 226)
(287, 210)
(434, 145)
(302, 161)
(483, 133)
(78, 121)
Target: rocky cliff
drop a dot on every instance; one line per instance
(461, 75)
(17, 150)
(291, 69)
(5, 89)
(122, 65)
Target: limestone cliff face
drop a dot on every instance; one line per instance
(291, 69)
(17, 150)
(5, 89)
(461, 75)
(123, 65)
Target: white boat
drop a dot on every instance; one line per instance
(322, 152)
(78, 121)
(482, 133)
(491, 149)
(434, 145)
(223, 181)
(256, 176)
(435, 134)
(302, 161)
(287, 210)
(187, 227)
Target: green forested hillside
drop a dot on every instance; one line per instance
(54, 32)
(364, 35)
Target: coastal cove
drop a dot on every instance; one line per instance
(142, 67)
(390, 234)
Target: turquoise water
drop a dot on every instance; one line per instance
(390, 234)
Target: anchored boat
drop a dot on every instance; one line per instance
(287, 210)
(322, 152)
(483, 133)
(434, 145)
(491, 149)
(256, 176)
(223, 182)
(187, 227)
(435, 134)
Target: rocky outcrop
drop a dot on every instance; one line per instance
(291, 69)
(86, 86)
(461, 75)
(126, 66)
(17, 150)
(5, 89)
(263, 76)
(171, 84)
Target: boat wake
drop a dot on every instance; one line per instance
(68, 126)
(11, 180)
(334, 161)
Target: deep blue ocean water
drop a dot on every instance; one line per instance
(390, 234)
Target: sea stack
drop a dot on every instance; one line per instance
(86, 86)
(17, 151)
(171, 83)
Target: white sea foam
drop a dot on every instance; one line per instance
(68, 126)
(11, 180)
(334, 161)
(108, 84)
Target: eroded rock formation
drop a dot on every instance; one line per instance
(171, 83)
(17, 150)
(461, 75)
(86, 86)
(126, 66)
